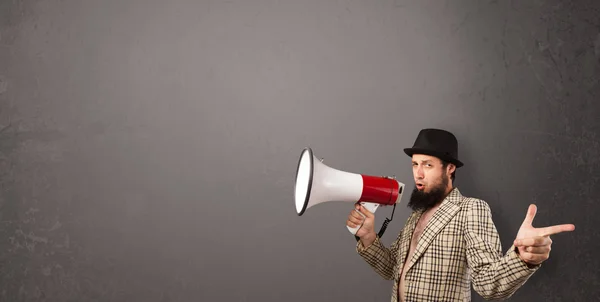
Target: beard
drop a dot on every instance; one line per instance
(421, 200)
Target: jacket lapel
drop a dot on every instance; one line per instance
(405, 239)
(441, 217)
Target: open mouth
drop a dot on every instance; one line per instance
(420, 186)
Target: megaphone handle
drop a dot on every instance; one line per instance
(371, 206)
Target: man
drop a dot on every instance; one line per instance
(450, 242)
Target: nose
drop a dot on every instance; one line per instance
(419, 173)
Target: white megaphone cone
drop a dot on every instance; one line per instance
(317, 183)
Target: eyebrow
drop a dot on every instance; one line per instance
(423, 161)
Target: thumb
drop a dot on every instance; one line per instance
(530, 215)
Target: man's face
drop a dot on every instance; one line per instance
(428, 172)
(431, 182)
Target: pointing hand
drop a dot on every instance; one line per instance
(534, 244)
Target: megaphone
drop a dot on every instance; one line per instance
(317, 183)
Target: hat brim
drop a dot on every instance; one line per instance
(440, 155)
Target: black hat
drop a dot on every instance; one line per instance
(438, 143)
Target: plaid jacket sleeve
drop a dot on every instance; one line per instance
(495, 275)
(379, 257)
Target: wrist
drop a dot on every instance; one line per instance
(368, 239)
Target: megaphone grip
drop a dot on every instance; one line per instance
(381, 231)
(372, 207)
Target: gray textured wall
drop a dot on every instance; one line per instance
(148, 148)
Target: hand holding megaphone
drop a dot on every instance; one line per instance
(361, 221)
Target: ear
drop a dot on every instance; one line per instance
(451, 168)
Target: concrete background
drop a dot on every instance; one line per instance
(148, 148)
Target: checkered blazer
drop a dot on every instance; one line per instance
(460, 246)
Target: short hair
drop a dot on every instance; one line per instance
(444, 165)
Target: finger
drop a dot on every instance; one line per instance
(355, 220)
(534, 241)
(534, 258)
(357, 215)
(530, 215)
(538, 249)
(555, 229)
(351, 224)
(366, 212)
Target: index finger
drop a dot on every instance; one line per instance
(357, 214)
(555, 229)
(532, 241)
(366, 212)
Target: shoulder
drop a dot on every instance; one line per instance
(469, 203)
(476, 212)
(473, 206)
(473, 203)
